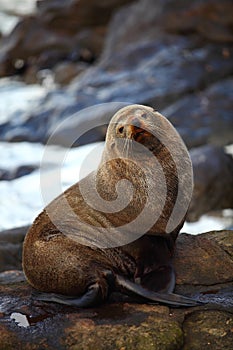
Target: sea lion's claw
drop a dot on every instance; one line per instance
(170, 299)
(90, 298)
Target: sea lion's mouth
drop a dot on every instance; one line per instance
(138, 134)
(145, 138)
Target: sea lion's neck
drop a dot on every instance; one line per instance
(112, 171)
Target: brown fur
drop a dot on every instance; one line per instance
(54, 258)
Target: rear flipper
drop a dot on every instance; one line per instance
(170, 299)
(94, 294)
(160, 280)
(91, 297)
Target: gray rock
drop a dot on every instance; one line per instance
(181, 71)
(149, 20)
(213, 181)
(21, 170)
(65, 72)
(11, 242)
(57, 31)
(206, 116)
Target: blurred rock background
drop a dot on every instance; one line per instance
(59, 57)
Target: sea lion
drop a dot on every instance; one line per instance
(89, 240)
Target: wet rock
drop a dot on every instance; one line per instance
(17, 172)
(211, 20)
(210, 329)
(42, 47)
(11, 12)
(71, 30)
(147, 72)
(11, 242)
(65, 72)
(205, 116)
(204, 267)
(12, 276)
(213, 181)
(154, 85)
(154, 332)
(182, 73)
(148, 19)
(204, 259)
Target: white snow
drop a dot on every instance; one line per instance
(16, 96)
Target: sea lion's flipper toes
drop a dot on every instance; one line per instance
(168, 299)
(91, 297)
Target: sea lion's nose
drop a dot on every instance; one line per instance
(136, 122)
(136, 128)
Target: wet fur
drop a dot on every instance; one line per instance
(57, 263)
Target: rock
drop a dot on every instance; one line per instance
(17, 172)
(100, 85)
(147, 20)
(213, 181)
(11, 248)
(210, 329)
(33, 324)
(72, 15)
(65, 72)
(89, 125)
(42, 48)
(197, 116)
(184, 74)
(12, 276)
(211, 20)
(11, 12)
(204, 260)
(71, 30)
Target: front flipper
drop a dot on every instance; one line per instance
(90, 298)
(170, 299)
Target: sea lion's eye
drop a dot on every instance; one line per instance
(144, 116)
(121, 129)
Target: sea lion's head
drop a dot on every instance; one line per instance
(144, 147)
(137, 125)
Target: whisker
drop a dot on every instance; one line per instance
(125, 147)
(153, 127)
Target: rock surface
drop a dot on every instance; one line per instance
(175, 56)
(22, 170)
(205, 116)
(213, 181)
(11, 242)
(72, 31)
(204, 270)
